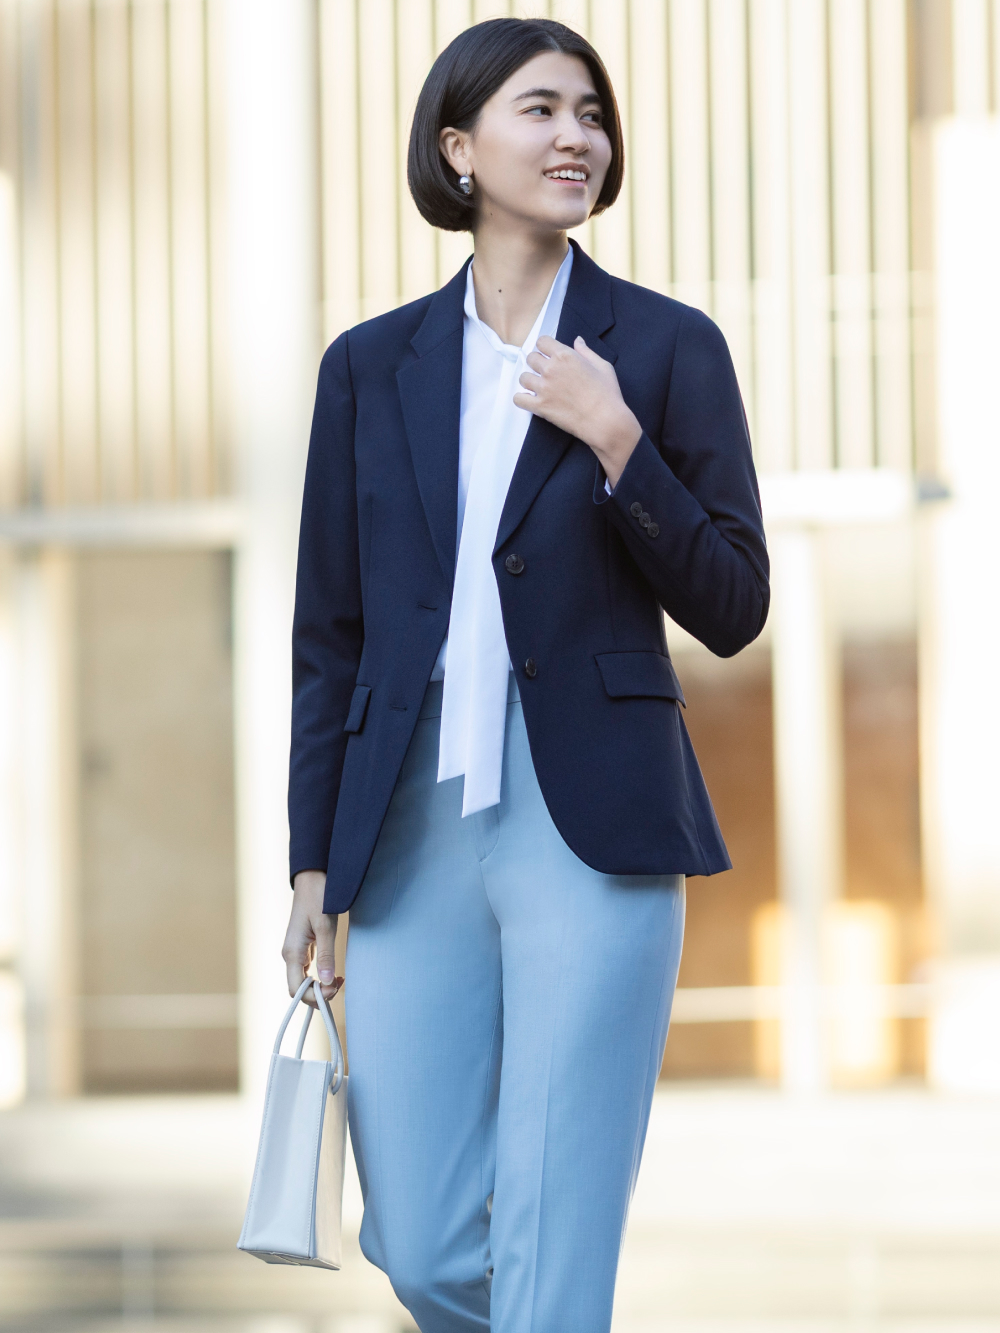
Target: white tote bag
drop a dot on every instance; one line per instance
(294, 1212)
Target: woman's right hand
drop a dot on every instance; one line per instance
(311, 933)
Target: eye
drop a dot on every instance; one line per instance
(544, 109)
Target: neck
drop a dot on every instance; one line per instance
(512, 275)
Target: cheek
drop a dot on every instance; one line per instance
(602, 160)
(507, 156)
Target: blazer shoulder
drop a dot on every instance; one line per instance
(383, 336)
(630, 299)
(649, 310)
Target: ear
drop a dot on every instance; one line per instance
(454, 149)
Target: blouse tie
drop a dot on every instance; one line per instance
(474, 701)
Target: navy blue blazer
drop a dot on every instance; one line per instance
(581, 603)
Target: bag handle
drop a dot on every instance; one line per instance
(336, 1050)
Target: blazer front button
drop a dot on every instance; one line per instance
(530, 668)
(653, 530)
(636, 509)
(514, 564)
(643, 520)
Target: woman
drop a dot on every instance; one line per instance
(507, 481)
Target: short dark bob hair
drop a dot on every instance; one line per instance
(465, 76)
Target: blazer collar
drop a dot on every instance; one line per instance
(430, 390)
(430, 393)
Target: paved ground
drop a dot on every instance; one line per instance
(754, 1214)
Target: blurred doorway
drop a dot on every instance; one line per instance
(157, 874)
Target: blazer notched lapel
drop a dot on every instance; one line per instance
(430, 392)
(587, 312)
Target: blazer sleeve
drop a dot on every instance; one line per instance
(328, 625)
(700, 542)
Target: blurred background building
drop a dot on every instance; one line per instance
(195, 197)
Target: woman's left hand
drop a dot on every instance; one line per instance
(578, 391)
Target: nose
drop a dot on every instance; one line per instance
(570, 134)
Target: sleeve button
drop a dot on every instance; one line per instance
(636, 509)
(653, 530)
(643, 520)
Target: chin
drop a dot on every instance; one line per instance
(564, 220)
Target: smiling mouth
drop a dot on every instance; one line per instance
(566, 174)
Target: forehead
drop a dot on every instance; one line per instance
(550, 72)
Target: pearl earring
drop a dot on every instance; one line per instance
(465, 184)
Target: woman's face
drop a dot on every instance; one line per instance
(546, 119)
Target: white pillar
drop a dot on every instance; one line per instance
(960, 629)
(275, 321)
(46, 848)
(12, 1044)
(808, 782)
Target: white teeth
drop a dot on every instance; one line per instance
(567, 175)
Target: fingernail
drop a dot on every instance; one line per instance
(326, 975)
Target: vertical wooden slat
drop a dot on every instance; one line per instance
(417, 249)
(730, 168)
(77, 315)
(692, 215)
(40, 257)
(490, 9)
(189, 247)
(11, 472)
(116, 378)
(378, 162)
(647, 174)
(450, 18)
(851, 281)
(452, 248)
(810, 241)
(890, 234)
(221, 440)
(339, 153)
(773, 376)
(574, 13)
(151, 213)
(10, 337)
(612, 231)
(922, 284)
(971, 56)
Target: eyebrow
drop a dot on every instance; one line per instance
(554, 95)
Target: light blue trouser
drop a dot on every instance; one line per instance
(507, 1010)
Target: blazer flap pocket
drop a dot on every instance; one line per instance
(639, 675)
(359, 706)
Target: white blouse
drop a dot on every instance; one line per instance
(474, 662)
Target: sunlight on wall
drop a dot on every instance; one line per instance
(860, 956)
